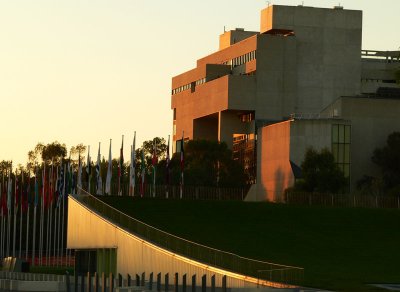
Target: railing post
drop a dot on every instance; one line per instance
(143, 279)
(184, 283)
(76, 282)
(67, 280)
(159, 282)
(96, 282)
(89, 282)
(204, 283)
(111, 285)
(151, 281)
(194, 283)
(137, 280)
(103, 282)
(224, 283)
(176, 282)
(129, 280)
(119, 280)
(166, 284)
(82, 283)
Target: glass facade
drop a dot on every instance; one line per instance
(341, 140)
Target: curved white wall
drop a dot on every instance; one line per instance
(88, 230)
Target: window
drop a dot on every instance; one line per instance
(341, 141)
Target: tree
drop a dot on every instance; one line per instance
(209, 163)
(320, 173)
(54, 152)
(388, 160)
(397, 76)
(33, 156)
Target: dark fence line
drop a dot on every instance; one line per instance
(176, 192)
(221, 259)
(342, 200)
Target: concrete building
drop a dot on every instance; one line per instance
(300, 81)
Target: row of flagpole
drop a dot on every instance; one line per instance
(132, 173)
(59, 180)
(53, 182)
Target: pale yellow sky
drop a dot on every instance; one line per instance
(90, 71)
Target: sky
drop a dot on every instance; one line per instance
(87, 71)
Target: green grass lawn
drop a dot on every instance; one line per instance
(339, 248)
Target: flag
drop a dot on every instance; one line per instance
(24, 197)
(182, 165)
(143, 172)
(51, 186)
(44, 187)
(167, 162)
(16, 192)
(88, 170)
(3, 198)
(132, 175)
(121, 162)
(9, 190)
(60, 185)
(36, 201)
(154, 163)
(182, 159)
(109, 172)
(79, 183)
(69, 184)
(99, 187)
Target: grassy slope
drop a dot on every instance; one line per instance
(340, 248)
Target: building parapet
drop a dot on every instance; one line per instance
(314, 116)
(388, 56)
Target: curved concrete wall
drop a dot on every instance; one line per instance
(88, 230)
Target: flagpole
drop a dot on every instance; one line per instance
(182, 166)
(167, 170)
(9, 204)
(20, 221)
(134, 164)
(41, 214)
(154, 167)
(27, 216)
(34, 236)
(109, 172)
(62, 224)
(15, 213)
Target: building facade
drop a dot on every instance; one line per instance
(290, 86)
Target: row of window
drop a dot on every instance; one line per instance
(188, 86)
(241, 59)
(233, 62)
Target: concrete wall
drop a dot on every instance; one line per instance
(372, 121)
(328, 46)
(274, 173)
(316, 133)
(231, 37)
(87, 230)
(281, 143)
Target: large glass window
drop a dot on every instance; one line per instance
(341, 140)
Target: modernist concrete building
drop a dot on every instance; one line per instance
(302, 81)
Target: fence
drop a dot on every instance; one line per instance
(214, 257)
(174, 192)
(342, 200)
(109, 282)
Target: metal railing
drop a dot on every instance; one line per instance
(342, 200)
(204, 254)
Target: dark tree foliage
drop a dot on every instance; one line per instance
(388, 160)
(397, 76)
(54, 152)
(320, 173)
(208, 163)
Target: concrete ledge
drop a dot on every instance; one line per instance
(44, 286)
